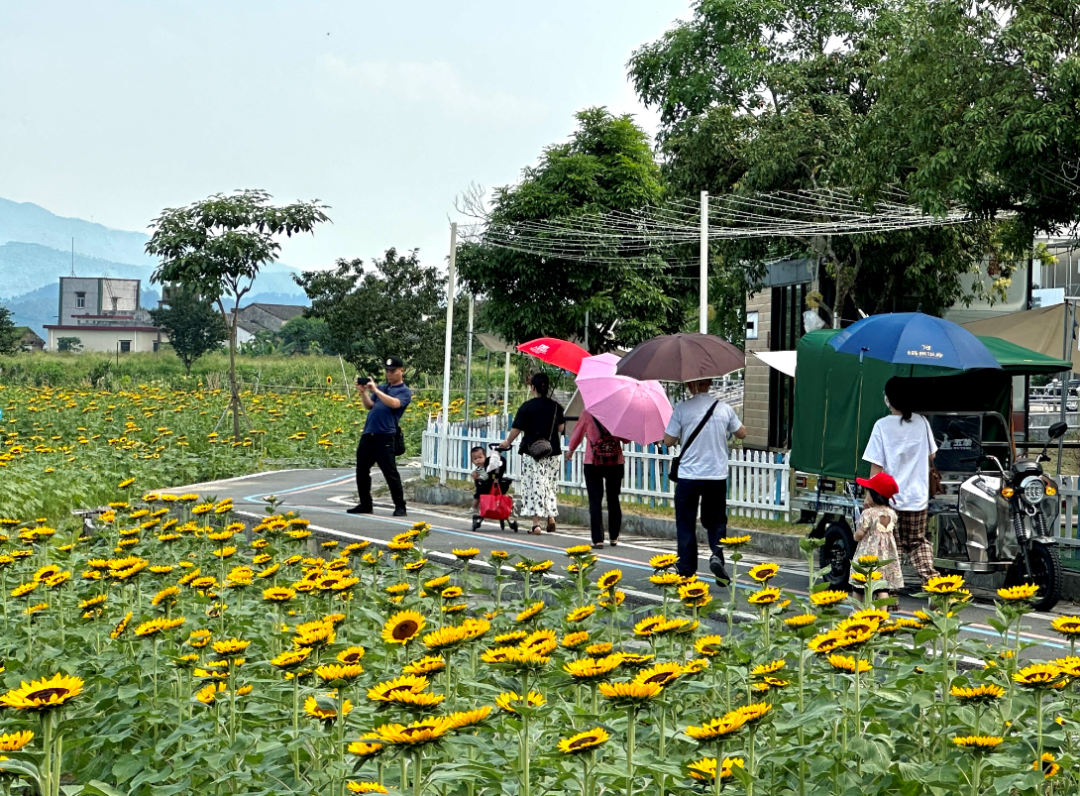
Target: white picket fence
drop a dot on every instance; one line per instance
(757, 480)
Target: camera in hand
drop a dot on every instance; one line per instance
(362, 381)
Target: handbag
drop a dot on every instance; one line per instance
(399, 439)
(541, 448)
(496, 505)
(935, 475)
(673, 472)
(606, 450)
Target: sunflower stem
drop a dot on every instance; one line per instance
(631, 720)
(716, 772)
(976, 775)
(418, 775)
(525, 782)
(1039, 726)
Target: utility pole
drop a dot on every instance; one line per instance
(586, 330)
(451, 287)
(703, 288)
(468, 359)
(506, 385)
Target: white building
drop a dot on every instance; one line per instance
(104, 314)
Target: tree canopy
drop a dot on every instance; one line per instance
(10, 334)
(607, 164)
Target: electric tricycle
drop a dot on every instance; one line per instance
(998, 512)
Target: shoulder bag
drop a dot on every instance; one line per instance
(606, 449)
(541, 448)
(673, 473)
(935, 475)
(399, 439)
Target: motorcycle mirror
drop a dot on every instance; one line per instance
(1057, 430)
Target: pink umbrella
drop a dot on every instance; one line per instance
(628, 408)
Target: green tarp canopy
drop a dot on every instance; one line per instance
(838, 399)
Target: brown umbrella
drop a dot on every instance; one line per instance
(681, 357)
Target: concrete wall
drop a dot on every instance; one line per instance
(106, 339)
(98, 294)
(756, 401)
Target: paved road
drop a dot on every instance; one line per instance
(321, 496)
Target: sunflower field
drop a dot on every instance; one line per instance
(173, 648)
(67, 448)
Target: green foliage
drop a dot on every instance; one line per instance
(395, 307)
(10, 334)
(302, 335)
(70, 345)
(606, 165)
(194, 327)
(771, 97)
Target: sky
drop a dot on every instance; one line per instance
(111, 111)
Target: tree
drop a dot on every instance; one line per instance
(606, 165)
(193, 325)
(766, 97)
(217, 246)
(396, 306)
(303, 335)
(70, 345)
(10, 334)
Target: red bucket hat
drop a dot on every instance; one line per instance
(882, 483)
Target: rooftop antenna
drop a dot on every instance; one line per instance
(73, 256)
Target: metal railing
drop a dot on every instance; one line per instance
(757, 480)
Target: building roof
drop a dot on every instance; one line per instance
(28, 335)
(260, 317)
(88, 328)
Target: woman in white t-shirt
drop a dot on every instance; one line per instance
(902, 445)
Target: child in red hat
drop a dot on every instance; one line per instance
(876, 535)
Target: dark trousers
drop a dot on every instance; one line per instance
(601, 479)
(377, 449)
(712, 497)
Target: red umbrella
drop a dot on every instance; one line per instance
(560, 353)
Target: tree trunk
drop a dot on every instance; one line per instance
(234, 392)
(846, 275)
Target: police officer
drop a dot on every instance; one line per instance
(385, 404)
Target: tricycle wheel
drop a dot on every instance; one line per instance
(1045, 573)
(836, 554)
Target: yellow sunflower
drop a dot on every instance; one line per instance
(326, 708)
(768, 668)
(978, 743)
(427, 665)
(709, 645)
(466, 553)
(584, 741)
(385, 691)
(630, 693)
(1024, 592)
(828, 597)
(1067, 625)
(575, 640)
(609, 580)
(663, 561)
(467, 718)
(735, 542)
(1047, 764)
(944, 584)
(980, 693)
(717, 728)
(328, 673)
(419, 733)
(705, 769)
(1039, 675)
(366, 749)
(763, 572)
(847, 663)
(45, 694)
(800, 620)
(586, 669)
(278, 594)
(510, 701)
(648, 625)
(661, 674)
(530, 612)
(14, 741)
(403, 627)
(766, 596)
(585, 611)
(364, 787)
(291, 658)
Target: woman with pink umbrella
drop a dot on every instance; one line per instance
(604, 472)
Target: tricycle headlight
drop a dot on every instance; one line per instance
(1034, 490)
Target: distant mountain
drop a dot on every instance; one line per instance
(35, 251)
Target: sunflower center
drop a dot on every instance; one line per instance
(45, 694)
(404, 630)
(582, 742)
(661, 678)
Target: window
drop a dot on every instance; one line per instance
(115, 302)
(125, 346)
(80, 301)
(752, 325)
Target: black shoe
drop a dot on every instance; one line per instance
(476, 520)
(360, 510)
(514, 526)
(716, 566)
(400, 512)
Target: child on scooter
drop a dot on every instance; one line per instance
(485, 480)
(876, 534)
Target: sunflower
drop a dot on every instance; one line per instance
(829, 597)
(326, 708)
(583, 741)
(768, 668)
(121, 626)
(1039, 675)
(630, 693)
(755, 712)
(419, 733)
(634, 659)
(717, 728)
(578, 550)
(328, 673)
(666, 579)
(278, 594)
(585, 611)
(427, 665)
(366, 749)
(14, 741)
(605, 602)
(664, 561)
(291, 658)
(510, 701)
(451, 593)
(944, 584)
(512, 637)
(208, 693)
(587, 669)
(661, 673)
(231, 646)
(1069, 666)
(800, 620)
(709, 645)
(364, 787)
(446, 638)
(978, 694)
(978, 743)
(694, 592)
(1024, 592)
(542, 566)
(467, 553)
(766, 596)
(705, 769)
(530, 612)
(847, 663)
(1047, 764)
(648, 625)
(609, 580)
(598, 650)
(735, 542)
(403, 627)
(763, 572)
(435, 584)
(385, 691)
(467, 718)
(425, 699)
(45, 694)
(575, 640)
(542, 642)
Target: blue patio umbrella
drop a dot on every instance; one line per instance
(913, 338)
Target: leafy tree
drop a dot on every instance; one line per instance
(395, 306)
(606, 165)
(10, 334)
(263, 343)
(71, 345)
(302, 335)
(193, 325)
(217, 246)
(765, 97)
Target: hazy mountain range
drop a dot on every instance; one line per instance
(36, 250)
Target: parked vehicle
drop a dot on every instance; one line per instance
(838, 398)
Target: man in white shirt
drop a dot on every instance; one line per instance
(703, 472)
